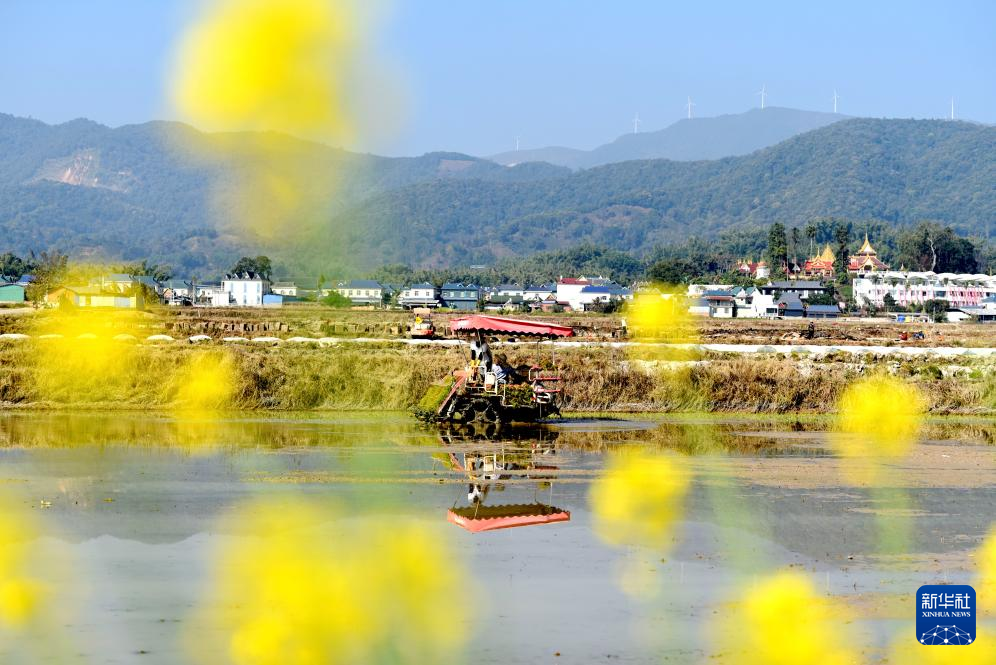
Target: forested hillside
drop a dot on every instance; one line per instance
(149, 191)
(897, 171)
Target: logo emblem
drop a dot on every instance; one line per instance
(945, 614)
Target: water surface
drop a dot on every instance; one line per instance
(134, 505)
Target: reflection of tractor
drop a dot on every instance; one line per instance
(487, 389)
(486, 471)
(423, 327)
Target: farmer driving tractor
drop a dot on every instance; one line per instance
(488, 390)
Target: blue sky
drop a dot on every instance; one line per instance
(478, 74)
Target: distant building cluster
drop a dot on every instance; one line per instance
(248, 289)
(777, 299)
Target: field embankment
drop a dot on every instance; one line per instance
(394, 376)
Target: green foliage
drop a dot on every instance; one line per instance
(889, 303)
(50, 269)
(336, 299)
(931, 246)
(777, 249)
(14, 267)
(937, 309)
(261, 265)
(842, 236)
(159, 272)
(585, 259)
(673, 271)
(159, 183)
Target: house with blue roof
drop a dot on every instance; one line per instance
(361, 291)
(463, 297)
(422, 294)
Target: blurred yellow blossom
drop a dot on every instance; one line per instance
(660, 315)
(22, 593)
(293, 593)
(879, 416)
(206, 383)
(638, 499)
(985, 585)
(784, 621)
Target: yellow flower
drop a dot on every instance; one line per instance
(784, 621)
(639, 498)
(22, 594)
(662, 316)
(295, 593)
(985, 586)
(879, 416)
(206, 383)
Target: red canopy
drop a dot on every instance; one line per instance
(499, 325)
(490, 518)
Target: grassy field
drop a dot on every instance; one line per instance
(39, 373)
(396, 376)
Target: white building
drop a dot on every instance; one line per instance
(762, 306)
(211, 295)
(419, 295)
(539, 293)
(245, 289)
(284, 288)
(362, 291)
(916, 288)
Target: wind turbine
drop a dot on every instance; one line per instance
(689, 106)
(764, 93)
(952, 108)
(517, 144)
(835, 98)
(636, 123)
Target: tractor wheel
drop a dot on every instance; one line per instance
(463, 411)
(484, 411)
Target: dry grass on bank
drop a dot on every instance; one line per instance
(391, 376)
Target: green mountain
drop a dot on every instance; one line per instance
(152, 191)
(689, 139)
(897, 171)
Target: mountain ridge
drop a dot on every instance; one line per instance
(688, 139)
(149, 191)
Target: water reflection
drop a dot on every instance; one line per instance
(140, 501)
(488, 470)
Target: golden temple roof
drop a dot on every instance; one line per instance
(867, 249)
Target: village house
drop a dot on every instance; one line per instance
(362, 291)
(801, 287)
(539, 293)
(245, 289)
(508, 290)
(423, 294)
(790, 305)
(754, 270)
(506, 304)
(721, 304)
(822, 311)
(95, 296)
(464, 297)
(913, 289)
(284, 289)
(762, 306)
(11, 292)
(569, 291)
(212, 294)
(582, 292)
(178, 292)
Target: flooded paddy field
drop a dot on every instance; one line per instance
(131, 513)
